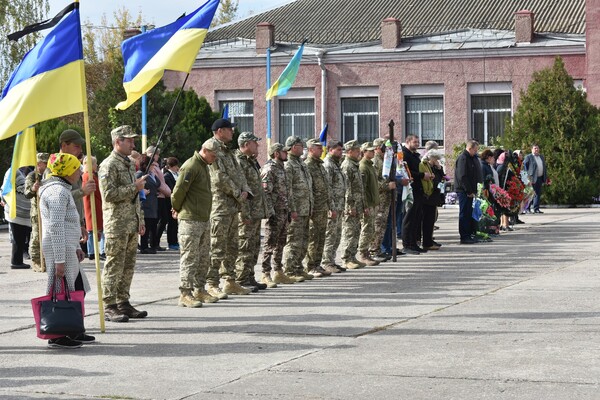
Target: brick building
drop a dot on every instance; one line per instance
(444, 70)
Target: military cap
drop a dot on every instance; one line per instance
(292, 141)
(313, 142)
(123, 131)
(352, 144)
(42, 157)
(246, 137)
(222, 123)
(332, 144)
(71, 136)
(211, 145)
(378, 142)
(367, 146)
(275, 147)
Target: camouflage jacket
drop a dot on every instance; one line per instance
(227, 181)
(300, 186)
(370, 184)
(257, 206)
(355, 193)
(30, 194)
(274, 182)
(382, 183)
(320, 184)
(120, 199)
(337, 183)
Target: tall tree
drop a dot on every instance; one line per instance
(227, 12)
(557, 116)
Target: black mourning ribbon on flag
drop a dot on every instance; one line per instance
(38, 26)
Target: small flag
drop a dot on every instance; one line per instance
(323, 140)
(287, 77)
(24, 155)
(225, 111)
(49, 81)
(173, 47)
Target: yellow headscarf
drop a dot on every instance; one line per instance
(63, 164)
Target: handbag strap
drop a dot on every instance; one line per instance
(66, 289)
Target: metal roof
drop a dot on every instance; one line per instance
(358, 21)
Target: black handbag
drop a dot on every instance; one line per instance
(61, 317)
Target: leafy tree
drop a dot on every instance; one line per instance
(557, 116)
(227, 12)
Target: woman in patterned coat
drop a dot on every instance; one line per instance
(61, 232)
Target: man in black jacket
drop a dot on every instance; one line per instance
(171, 175)
(467, 173)
(413, 219)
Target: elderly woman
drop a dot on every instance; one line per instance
(61, 232)
(432, 197)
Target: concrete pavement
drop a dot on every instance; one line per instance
(514, 319)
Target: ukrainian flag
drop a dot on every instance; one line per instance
(49, 82)
(287, 77)
(172, 47)
(24, 155)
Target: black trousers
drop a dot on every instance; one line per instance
(411, 224)
(164, 215)
(149, 236)
(20, 234)
(429, 214)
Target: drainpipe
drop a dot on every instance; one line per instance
(320, 55)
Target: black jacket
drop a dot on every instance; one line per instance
(412, 161)
(467, 173)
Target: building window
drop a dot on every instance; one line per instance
(360, 119)
(488, 116)
(297, 117)
(425, 118)
(241, 112)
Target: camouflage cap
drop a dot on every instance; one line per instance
(246, 137)
(352, 144)
(378, 142)
(313, 142)
(211, 145)
(42, 157)
(367, 146)
(275, 147)
(292, 141)
(123, 131)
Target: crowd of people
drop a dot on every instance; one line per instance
(312, 203)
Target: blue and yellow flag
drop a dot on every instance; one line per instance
(49, 81)
(24, 155)
(173, 47)
(287, 77)
(323, 140)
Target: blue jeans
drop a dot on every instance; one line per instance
(90, 243)
(465, 214)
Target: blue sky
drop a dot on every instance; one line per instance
(157, 12)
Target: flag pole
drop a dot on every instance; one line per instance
(144, 115)
(268, 101)
(88, 167)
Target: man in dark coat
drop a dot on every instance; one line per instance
(467, 173)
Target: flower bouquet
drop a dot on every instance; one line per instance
(501, 196)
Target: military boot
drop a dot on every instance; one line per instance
(127, 309)
(113, 314)
(352, 264)
(231, 287)
(204, 297)
(305, 275)
(216, 291)
(365, 259)
(362, 264)
(187, 300)
(266, 279)
(252, 282)
(280, 277)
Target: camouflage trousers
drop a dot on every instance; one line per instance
(34, 240)
(275, 236)
(223, 247)
(380, 223)
(333, 237)
(350, 236)
(118, 269)
(367, 231)
(194, 245)
(317, 232)
(296, 245)
(249, 239)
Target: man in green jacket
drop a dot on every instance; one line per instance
(192, 201)
(371, 186)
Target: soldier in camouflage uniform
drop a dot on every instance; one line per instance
(337, 184)
(355, 205)
(301, 206)
(254, 210)
(371, 198)
(386, 189)
(276, 189)
(230, 192)
(123, 222)
(191, 201)
(32, 184)
(322, 209)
